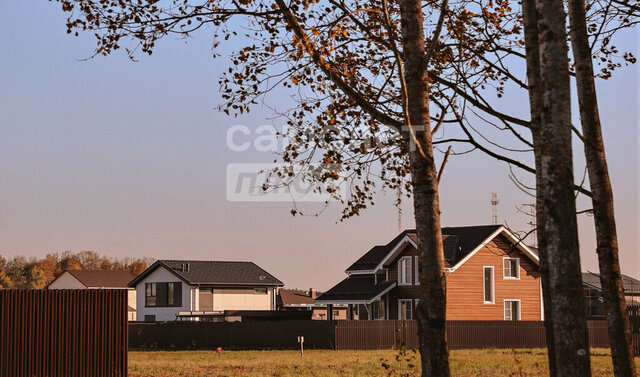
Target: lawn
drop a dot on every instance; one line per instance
(524, 362)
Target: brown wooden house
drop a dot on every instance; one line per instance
(490, 276)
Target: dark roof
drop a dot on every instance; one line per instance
(294, 297)
(356, 288)
(631, 285)
(457, 243)
(213, 273)
(102, 278)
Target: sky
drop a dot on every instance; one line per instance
(131, 159)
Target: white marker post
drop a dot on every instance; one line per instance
(301, 341)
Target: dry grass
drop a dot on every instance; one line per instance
(525, 362)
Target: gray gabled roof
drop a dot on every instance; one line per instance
(630, 285)
(194, 272)
(457, 243)
(356, 288)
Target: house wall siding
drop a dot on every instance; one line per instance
(465, 285)
(241, 299)
(465, 300)
(402, 291)
(66, 281)
(161, 275)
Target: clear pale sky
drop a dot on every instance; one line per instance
(129, 159)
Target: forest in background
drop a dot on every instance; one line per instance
(21, 272)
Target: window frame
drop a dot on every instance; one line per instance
(409, 306)
(164, 294)
(493, 285)
(376, 313)
(504, 276)
(402, 273)
(504, 309)
(154, 289)
(416, 278)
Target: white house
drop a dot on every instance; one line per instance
(170, 289)
(98, 279)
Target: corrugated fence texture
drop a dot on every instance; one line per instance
(63, 333)
(231, 335)
(365, 335)
(634, 321)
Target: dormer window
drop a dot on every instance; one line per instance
(405, 276)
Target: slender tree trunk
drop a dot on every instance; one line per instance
(560, 230)
(532, 47)
(602, 196)
(431, 312)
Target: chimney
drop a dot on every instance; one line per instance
(313, 293)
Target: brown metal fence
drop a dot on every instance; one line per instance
(63, 333)
(634, 321)
(460, 334)
(231, 335)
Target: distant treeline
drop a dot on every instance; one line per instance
(21, 272)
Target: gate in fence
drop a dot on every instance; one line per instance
(63, 333)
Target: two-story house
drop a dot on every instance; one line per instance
(173, 289)
(490, 276)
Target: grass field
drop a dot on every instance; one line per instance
(529, 362)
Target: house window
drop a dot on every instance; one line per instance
(381, 277)
(163, 294)
(378, 309)
(511, 310)
(405, 309)
(417, 273)
(511, 268)
(336, 314)
(404, 271)
(149, 318)
(150, 294)
(488, 288)
(260, 291)
(170, 294)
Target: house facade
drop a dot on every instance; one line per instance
(184, 289)
(593, 293)
(489, 276)
(98, 279)
(303, 300)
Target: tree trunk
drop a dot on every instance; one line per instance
(602, 196)
(532, 47)
(560, 230)
(431, 312)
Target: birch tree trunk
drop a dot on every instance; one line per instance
(431, 312)
(532, 48)
(602, 196)
(556, 196)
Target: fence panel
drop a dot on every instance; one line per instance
(231, 335)
(460, 334)
(63, 333)
(634, 322)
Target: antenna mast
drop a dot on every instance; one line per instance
(399, 210)
(529, 209)
(494, 208)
